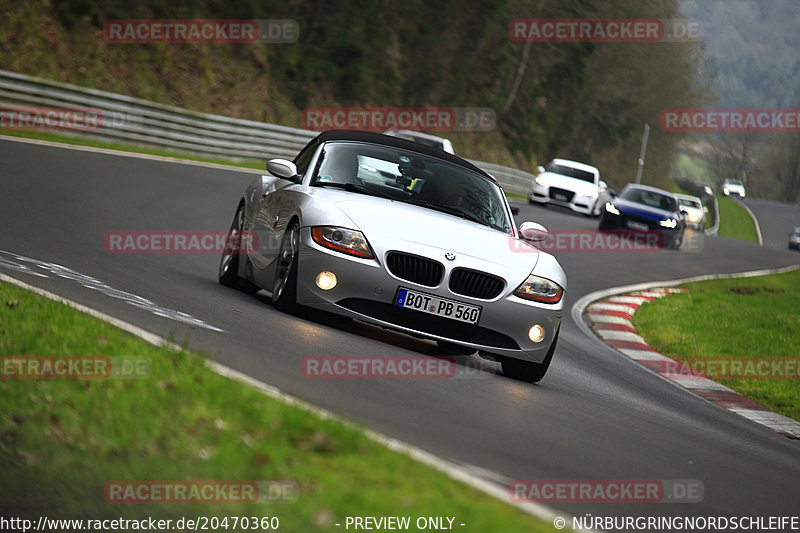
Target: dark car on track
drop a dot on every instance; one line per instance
(644, 208)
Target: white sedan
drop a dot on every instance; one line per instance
(694, 210)
(570, 184)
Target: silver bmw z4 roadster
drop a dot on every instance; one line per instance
(397, 234)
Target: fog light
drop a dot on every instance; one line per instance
(536, 333)
(326, 280)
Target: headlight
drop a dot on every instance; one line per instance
(669, 223)
(611, 208)
(693, 217)
(541, 181)
(725, 190)
(346, 241)
(540, 289)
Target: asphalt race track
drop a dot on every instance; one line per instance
(776, 220)
(595, 415)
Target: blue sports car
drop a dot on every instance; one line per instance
(643, 208)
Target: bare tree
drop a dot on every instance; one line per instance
(779, 168)
(733, 156)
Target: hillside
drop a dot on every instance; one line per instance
(587, 101)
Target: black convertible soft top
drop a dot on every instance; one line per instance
(396, 142)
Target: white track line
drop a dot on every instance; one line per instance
(755, 222)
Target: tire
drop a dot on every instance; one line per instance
(528, 372)
(675, 242)
(284, 286)
(228, 273)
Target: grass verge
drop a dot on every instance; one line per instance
(727, 319)
(62, 440)
(734, 221)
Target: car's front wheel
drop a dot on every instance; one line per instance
(674, 242)
(284, 286)
(526, 371)
(232, 253)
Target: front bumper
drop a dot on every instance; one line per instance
(547, 195)
(366, 291)
(609, 221)
(695, 225)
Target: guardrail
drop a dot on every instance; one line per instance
(136, 121)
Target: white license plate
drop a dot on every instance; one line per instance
(434, 305)
(560, 197)
(637, 225)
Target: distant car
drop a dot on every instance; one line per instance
(427, 139)
(794, 239)
(643, 208)
(733, 188)
(570, 184)
(695, 212)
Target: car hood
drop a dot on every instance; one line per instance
(641, 210)
(580, 187)
(394, 225)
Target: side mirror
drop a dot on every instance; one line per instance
(603, 184)
(283, 169)
(539, 170)
(532, 231)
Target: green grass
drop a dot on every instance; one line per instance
(733, 318)
(734, 221)
(61, 440)
(81, 141)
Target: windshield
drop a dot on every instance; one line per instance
(689, 203)
(649, 198)
(571, 172)
(413, 178)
